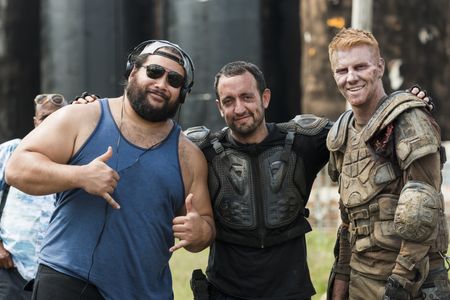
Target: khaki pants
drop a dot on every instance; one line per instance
(365, 288)
(435, 287)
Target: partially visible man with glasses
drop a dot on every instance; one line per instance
(43, 110)
(23, 218)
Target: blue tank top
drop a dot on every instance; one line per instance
(124, 252)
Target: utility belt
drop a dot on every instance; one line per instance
(371, 224)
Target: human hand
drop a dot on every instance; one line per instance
(100, 179)
(340, 289)
(188, 228)
(6, 261)
(422, 94)
(394, 290)
(85, 98)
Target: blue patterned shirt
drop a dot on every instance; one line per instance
(24, 220)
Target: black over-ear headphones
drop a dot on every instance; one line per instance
(151, 46)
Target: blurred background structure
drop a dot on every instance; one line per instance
(71, 46)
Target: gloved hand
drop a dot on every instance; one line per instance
(85, 98)
(422, 94)
(395, 291)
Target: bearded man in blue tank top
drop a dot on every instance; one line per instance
(128, 182)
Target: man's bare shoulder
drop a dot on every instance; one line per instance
(189, 148)
(78, 112)
(191, 157)
(192, 162)
(73, 124)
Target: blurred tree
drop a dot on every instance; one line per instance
(320, 20)
(414, 42)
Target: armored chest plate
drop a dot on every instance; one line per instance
(364, 174)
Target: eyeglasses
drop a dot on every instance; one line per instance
(56, 99)
(156, 71)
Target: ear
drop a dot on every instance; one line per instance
(381, 66)
(35, 122)
(266, 98)
(219, 107)
(133, 70)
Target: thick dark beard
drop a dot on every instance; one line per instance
(138, 100)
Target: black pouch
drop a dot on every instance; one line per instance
(199, 285)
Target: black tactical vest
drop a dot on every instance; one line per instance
(258, 197)
(258, 192)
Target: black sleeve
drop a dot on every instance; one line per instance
(313, 150)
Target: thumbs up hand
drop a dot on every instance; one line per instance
(189, 228)
(100, 179)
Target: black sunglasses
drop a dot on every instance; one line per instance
(56, 99)
(175, 79)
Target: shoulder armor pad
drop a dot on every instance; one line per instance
(415, 136)
(203, 137)
(199, 135)
(389, 110)
(306, 124)
(417, 212)
(338, 133)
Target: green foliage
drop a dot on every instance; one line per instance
(320, 245)
(320, 259)
(182, 264)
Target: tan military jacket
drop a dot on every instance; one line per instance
(372, 164)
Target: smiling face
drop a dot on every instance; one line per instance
(242, 107)
(357, 71)
(154, 99)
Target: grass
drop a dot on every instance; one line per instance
(320, 245)
(320, 258)
(182, 264)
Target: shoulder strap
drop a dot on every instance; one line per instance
(288, 146)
